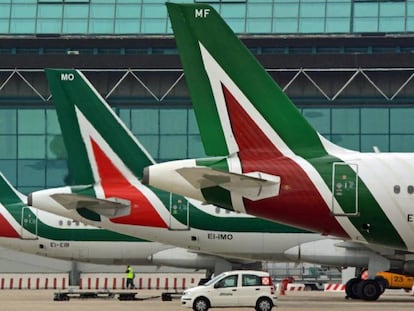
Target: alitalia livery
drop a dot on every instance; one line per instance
(267, 160)
(26, 229)
(29, 230)
(106, 163)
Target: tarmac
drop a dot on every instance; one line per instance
(42, 300)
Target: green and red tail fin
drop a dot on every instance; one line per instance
(101, 152)
(10, 195)
(90, 127)
(12, 203)
(228, 84)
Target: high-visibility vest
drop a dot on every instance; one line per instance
(130, 273)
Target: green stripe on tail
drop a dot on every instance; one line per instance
(200, 24)
(70, 88)
(191, 28)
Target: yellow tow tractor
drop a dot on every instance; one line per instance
(396, 281)
(363, 288)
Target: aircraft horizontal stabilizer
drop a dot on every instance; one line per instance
(254, 185)
(111, 207)
(351, 245)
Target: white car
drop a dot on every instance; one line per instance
(239, 288)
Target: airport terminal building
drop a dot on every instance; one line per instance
(348, 65)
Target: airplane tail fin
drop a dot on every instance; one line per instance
(9, 194)
(92, 132)
(13, 201)
(233, 96)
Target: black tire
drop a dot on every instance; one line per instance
(370, 290)
(351, 288)
(383, 283)
(201, 304)
(264, 304)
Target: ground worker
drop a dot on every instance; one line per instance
(130, 278)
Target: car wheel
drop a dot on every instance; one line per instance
(201, 304)
(264, 304)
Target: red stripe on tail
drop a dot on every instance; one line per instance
(299, 202)
(116, 185)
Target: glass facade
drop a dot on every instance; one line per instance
(129, 17)
(34, 156)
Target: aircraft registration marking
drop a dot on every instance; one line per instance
(60, 244)
(220, 236)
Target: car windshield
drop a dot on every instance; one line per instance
(214, 279)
